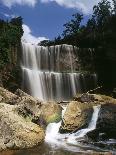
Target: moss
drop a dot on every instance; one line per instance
(56, 117)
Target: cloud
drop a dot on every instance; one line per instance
(85, 6)
(10, 3)
(9, 15)
(28, 37)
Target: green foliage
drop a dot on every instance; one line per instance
(73, 26)
(99, 31)
(10, 35)
(99, 35)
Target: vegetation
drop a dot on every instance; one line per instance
(10, 39)
(99, 31)
(96, 41)
(10, 35)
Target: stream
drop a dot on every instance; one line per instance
(64, 144)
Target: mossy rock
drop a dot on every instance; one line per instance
(56, 117)
(51, 112)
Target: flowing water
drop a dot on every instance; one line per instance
(52, 73)
(69, 141)
(63, 144)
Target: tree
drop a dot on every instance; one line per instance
(102, 12)
(72, 27)
(114, 4)
(10, 36)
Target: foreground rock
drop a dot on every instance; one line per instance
(78, 114)
(17, 132)
(39, 112)
(7, 97)
(51, 112)
(22, 118)
(106, 124)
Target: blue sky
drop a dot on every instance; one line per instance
(44, 19)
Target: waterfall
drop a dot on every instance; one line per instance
(52, 73)
(65, 140)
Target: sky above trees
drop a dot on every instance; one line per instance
(44, 19)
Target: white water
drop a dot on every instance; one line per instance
(68, 141)
(49, 72)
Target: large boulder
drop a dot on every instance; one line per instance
(31, 108)
(77, 116)
(79, 111)
(51, 112)
(106, 124)
(39, 112)
(17, 132)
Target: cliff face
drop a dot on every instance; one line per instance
(10, 75)
(10, 49)
(105, 62)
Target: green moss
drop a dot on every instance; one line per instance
(56, 117)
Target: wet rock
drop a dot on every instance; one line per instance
(106, 124)
(17, 132)
(79, 111)
(77, 116)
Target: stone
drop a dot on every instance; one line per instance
(79, 111)
(17, 132)
(51, 112)
(106, 124)
(7, 96)
(77, 116)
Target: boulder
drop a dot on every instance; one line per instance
(17, 132)
(94, 99)
(28, 106)
(39, 112)
(51, 112)
(79, 111)
(106, 124)
(77, 116)
(31, 108)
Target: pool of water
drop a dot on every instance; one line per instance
(47, 149)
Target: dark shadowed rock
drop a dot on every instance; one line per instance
(106, 124)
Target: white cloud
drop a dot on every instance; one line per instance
(9, 15)
(85, 6)
(28, 37)
(10, 3)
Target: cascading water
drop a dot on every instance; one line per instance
(65, 140)
(50, 73)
